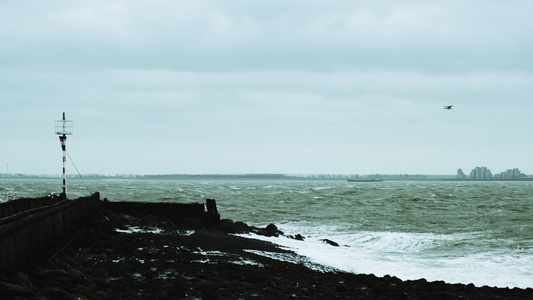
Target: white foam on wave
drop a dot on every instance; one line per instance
(290, 258)
(323, 188)
(138, 229)
(151, 229)
(411, 256)
(231, 258)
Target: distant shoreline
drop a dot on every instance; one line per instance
(318, 177)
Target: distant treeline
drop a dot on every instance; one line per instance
(216, 176)
(265, 176)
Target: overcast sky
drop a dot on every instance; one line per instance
(294, 87)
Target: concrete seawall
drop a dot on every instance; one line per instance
(207, 212)
(11, 208)
(38, 228)
(39, 231)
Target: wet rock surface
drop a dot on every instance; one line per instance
(120, 256)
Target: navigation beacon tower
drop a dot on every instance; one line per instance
(64, 128)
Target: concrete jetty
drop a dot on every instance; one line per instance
(37, 228)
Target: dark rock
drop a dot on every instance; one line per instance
(54, 293)
(11, 290)
(23, 280)
(271, 230)
(273, 284)
(242, 227)
(100, 272)
(298, 237)
(332, 243)
(229, 226)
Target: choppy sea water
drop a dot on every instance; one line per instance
(458, 232)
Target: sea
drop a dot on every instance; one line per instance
(453, 231)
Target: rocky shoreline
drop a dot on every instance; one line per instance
(124, 256)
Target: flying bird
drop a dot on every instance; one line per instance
(448, 107)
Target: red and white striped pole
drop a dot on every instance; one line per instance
(64, 128)
(63, 139)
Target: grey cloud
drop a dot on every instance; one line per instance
(251, 78)
(205, 36)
